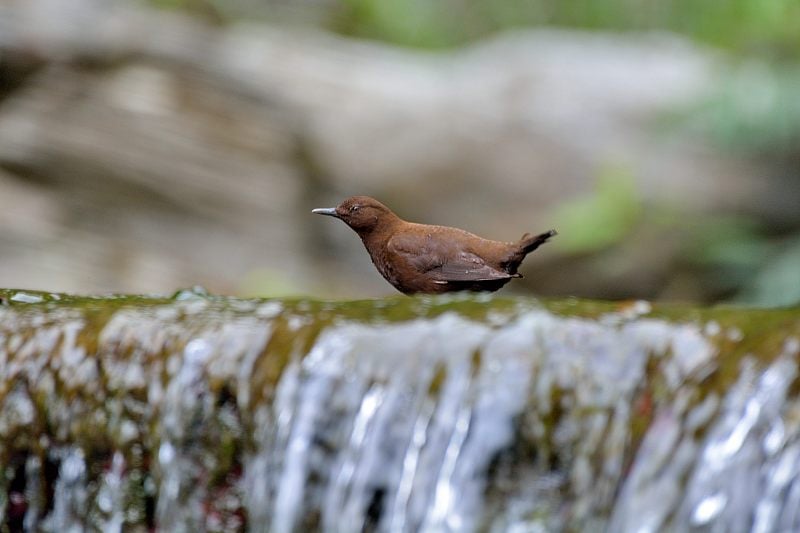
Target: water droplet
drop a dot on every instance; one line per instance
(735, 334)
(792, 346)
(149, 486)
(19, 408)
(189, 294)
(295, 322)
(127, 431)
(73, 467)
(197, 352)
(25, 298)
(773, 441)
(713, 328)
(166, 453)
(269, 310)
(635, 310)
(104, 501)
(708, 509)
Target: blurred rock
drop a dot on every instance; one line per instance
(168, 153)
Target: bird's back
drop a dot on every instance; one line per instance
(435, 259)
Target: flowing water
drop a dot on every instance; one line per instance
(203, 414)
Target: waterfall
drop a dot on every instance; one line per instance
(410, 415)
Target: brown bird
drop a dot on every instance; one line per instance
(418, 258)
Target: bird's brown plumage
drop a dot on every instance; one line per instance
(420, 258)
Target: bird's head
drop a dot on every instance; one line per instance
(361, 213)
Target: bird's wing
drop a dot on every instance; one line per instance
(467, 267)
(430, 258)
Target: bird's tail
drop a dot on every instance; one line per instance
(523, 247)
(529, 243)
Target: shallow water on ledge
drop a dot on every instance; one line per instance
(217, 415)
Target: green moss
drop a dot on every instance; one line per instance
(439, 377)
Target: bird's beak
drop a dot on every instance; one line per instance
(329, 211)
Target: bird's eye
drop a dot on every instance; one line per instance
(354, 208)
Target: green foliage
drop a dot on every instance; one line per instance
(211, 11)
(412, 22)
(778, 282)
(759, 110)
(726, 250)
(726, 240)
(747, 26)
(595, 222)
(771, 26)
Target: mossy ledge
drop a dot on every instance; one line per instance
(465, 412)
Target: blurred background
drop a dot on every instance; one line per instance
(147, 146)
